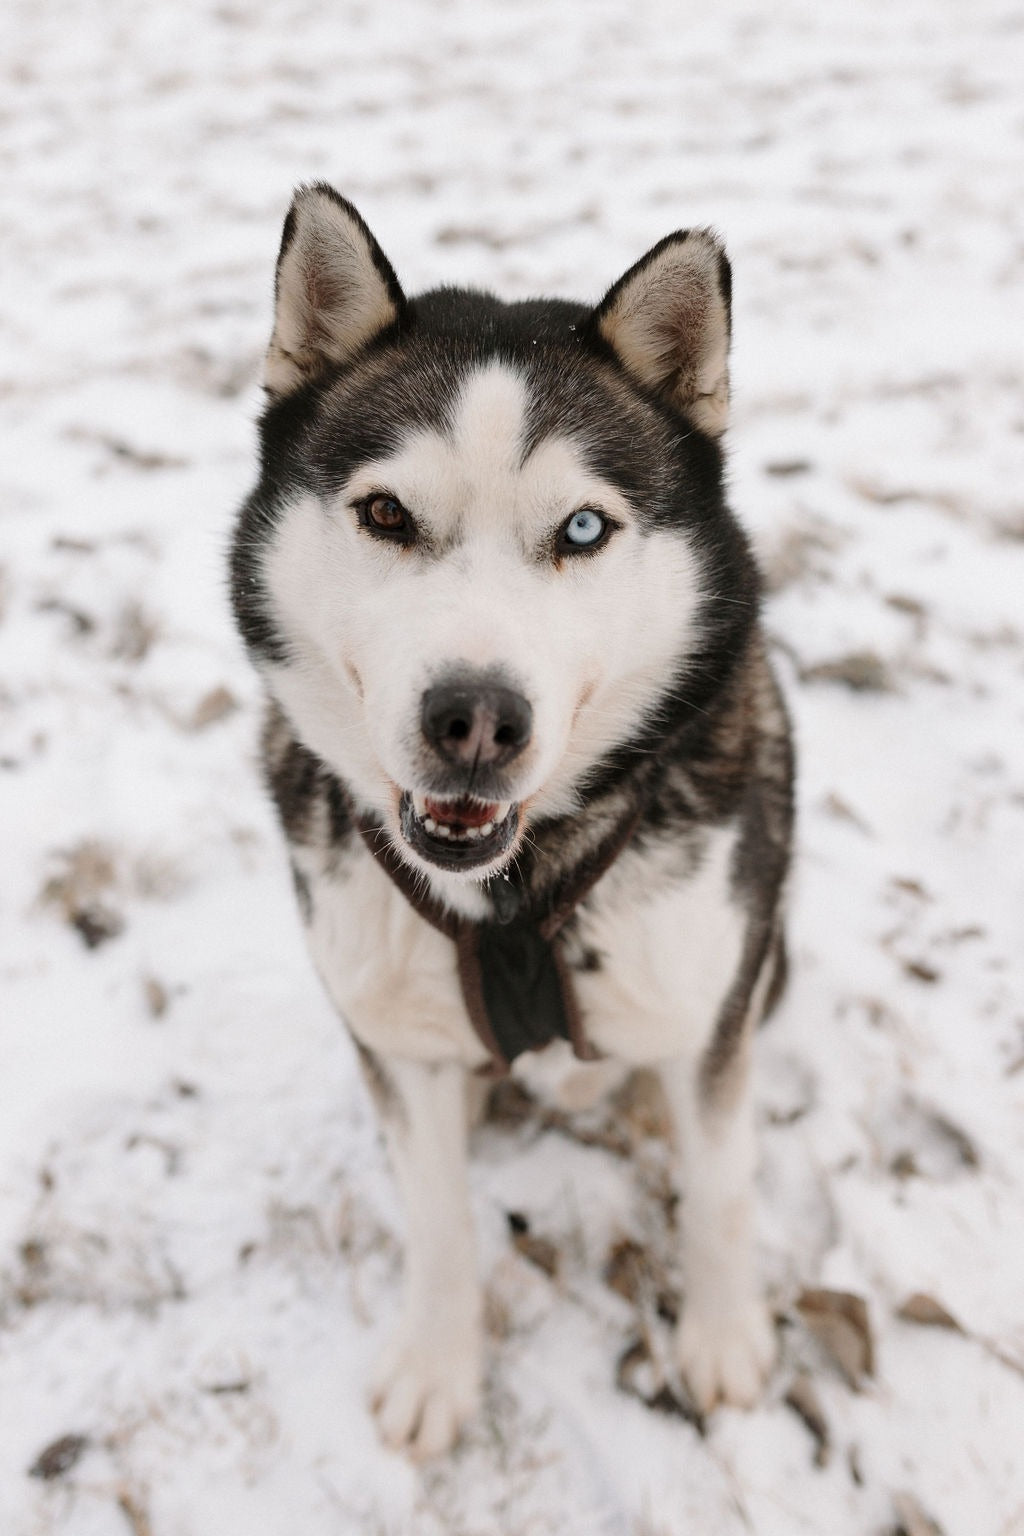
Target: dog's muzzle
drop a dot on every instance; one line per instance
(473, 726)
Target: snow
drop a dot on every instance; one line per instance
(199, 1239)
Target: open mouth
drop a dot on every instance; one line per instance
(460, 833)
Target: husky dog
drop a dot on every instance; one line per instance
(531, 763)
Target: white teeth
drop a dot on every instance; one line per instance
(455, 831)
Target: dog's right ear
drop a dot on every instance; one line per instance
(335, 290)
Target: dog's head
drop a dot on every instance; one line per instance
(489, 540)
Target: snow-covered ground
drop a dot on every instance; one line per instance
(199, 1240)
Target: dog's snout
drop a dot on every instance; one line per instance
(476, 722)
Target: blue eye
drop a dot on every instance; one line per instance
(584, 529)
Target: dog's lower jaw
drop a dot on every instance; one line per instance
(474, 850)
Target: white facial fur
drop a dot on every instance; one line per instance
(588, 639)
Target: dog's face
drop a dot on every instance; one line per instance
(487, 537)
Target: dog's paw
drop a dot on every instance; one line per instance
(423, 1391)
(725, 1356)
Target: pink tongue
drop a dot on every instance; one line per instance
(461, 813)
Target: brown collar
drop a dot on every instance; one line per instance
(516, 983)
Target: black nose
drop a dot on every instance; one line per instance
(476, 721)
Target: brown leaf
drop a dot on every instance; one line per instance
(910, 887)
(627, 1269)
(213, 706)
(920, 970)
(803, 1400)
(609, 1138)
(930, 1144)
(59, 1457)
(908, 605)
(75, 546)
(638, 1375)
(135, 1513)
(924, 1309)
(157, 998)
(86, 871)
(82, 623)
(839, 1321)
(883, 495)
(540, 1251)
(957, 1138)
(912, 1519)
(836, 806)
(79, 888)
(134, 633)
(641, 1106)
(863, 671)
(97, 924)
(129, 453)
(510, 1104)
(784, 469)
(904, 1165)
(634, 1272)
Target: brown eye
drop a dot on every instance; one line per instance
(385, 515)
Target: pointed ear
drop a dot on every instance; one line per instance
(335, 290)
(668, 320)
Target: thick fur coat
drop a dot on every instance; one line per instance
(508, 629)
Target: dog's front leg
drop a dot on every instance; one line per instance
(725, 1345)
(427, 1382)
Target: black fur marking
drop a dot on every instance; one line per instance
(310, 799)
(734, 1017)
(780, 976)
(725, 284)
(293, 779)
(760, 865)
(761, 854)
(338, 812)
(303, 894)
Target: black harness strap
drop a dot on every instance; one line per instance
(516, 984)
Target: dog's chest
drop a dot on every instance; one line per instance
(651, 956)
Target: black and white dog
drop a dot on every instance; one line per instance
(530, 760)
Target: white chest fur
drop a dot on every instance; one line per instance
(667, 949)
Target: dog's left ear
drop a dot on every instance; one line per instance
(668, 320)
(335, 290)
